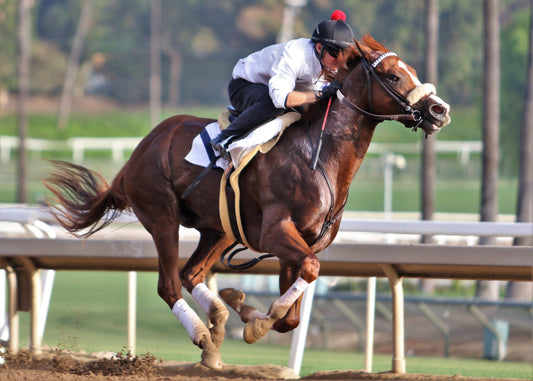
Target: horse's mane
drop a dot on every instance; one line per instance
(369, 41)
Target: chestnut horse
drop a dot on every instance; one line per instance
(288, 209)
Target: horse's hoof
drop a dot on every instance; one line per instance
(232, 296)
(256, 329)
(218, 316)
(210, 353)
(217, 336)
(212, 359)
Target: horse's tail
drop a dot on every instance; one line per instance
(82, 199)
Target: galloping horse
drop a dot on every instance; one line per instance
(288, 209)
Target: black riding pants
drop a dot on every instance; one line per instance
(253, 101)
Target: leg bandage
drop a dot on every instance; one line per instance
(293, 293)
(188, 318)
(203, 296)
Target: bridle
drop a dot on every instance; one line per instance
(410, 117)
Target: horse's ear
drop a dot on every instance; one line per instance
(359, 48)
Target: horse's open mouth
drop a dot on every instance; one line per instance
(430, 128)
(437, 115)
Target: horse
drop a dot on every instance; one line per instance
(289, 208)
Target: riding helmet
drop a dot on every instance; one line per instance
(335, 35)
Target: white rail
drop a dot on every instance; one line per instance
(118, 146)
(23, 214)
(494, 229)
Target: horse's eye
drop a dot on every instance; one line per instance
(393, 78)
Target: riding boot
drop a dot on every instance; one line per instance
(221, 142)
(247, 121)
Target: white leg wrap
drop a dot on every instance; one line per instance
(203, 296)
(293, 293)
(188, 318)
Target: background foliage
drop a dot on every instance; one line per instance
(202, 39)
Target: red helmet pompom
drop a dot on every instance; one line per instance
(338, 15)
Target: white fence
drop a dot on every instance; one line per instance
(78, 146)
(119, 146)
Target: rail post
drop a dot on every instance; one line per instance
(398, 360)
(13, 311)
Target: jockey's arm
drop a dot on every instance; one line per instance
(299, 98)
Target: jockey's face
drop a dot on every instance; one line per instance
(329, 61)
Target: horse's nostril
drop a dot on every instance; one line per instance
(437, 110)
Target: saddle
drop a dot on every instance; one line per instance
(229, 204)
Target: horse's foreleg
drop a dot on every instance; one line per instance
(295, 252)
(235, 299)
(258, 327)
(287, 276)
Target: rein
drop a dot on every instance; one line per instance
(318, 147)
(416, 116)
(330, 217)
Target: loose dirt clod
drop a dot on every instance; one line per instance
(121, 364)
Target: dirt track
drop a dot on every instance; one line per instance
(61, 366)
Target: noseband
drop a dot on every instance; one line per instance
(411, 117)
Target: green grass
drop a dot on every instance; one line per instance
(451, 195)
(457, 188)
(120, 123)
(88, 313)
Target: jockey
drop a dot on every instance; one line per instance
(285, 75)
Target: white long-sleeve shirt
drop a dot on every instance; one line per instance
(283, 67)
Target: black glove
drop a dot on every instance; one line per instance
(329, 91)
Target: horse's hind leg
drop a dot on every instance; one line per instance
(209, 250)
(169, 288)
(166, 236)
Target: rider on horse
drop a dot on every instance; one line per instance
(285, 75)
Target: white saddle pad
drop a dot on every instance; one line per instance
(200, 152)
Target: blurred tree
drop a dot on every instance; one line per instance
(491, 124)
(514, 72)
(428, 158)
(8, 49)
(73, 63)
(524, 208)
(56, 21)
(205, 38)
(210, 38)
(155, 61)
(460, 65)
(121, 34)
(24, 56)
